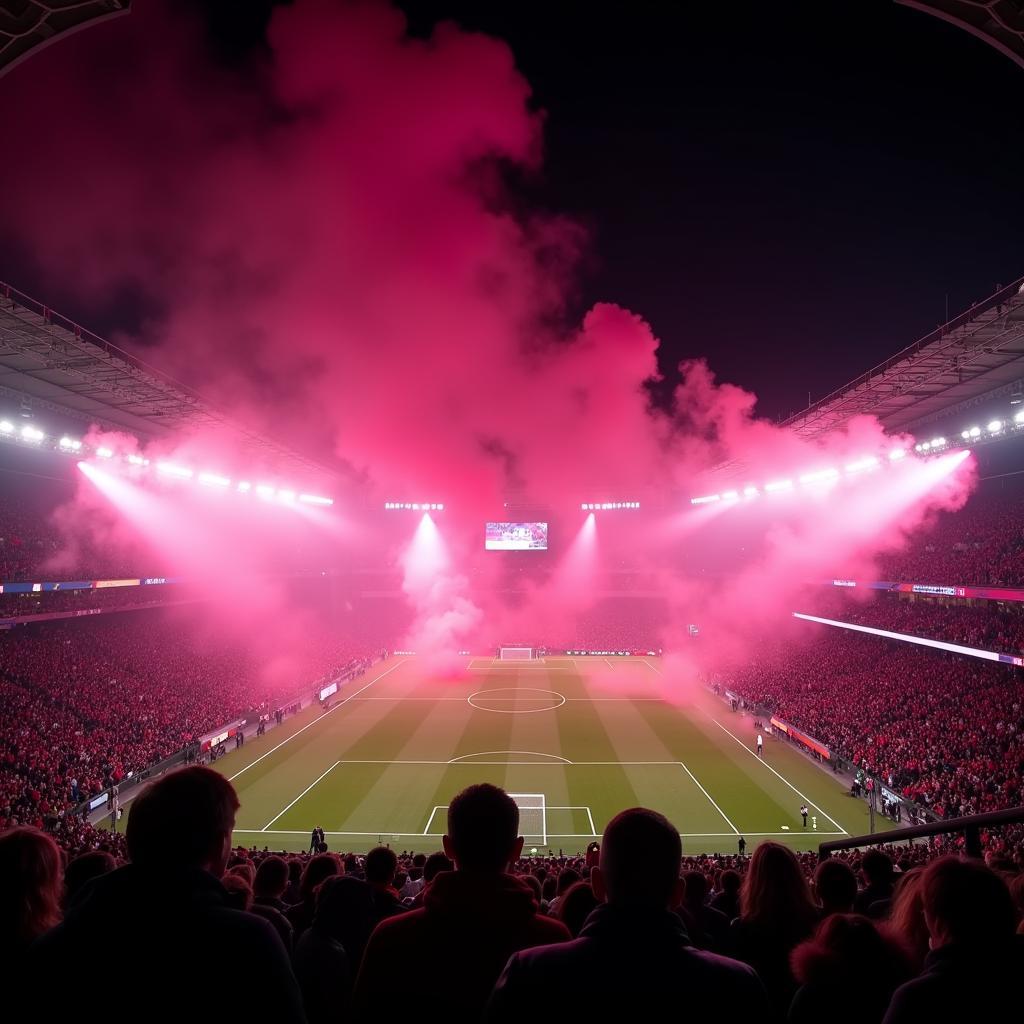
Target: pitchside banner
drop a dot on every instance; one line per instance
(808, 741)
(934, 589)
(47, 587)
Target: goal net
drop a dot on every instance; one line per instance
(515, 653)
(533, 819)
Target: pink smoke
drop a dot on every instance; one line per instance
(329, 250)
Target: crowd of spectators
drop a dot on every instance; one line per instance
(476, 932)
(32, 547)
(987, 625)
(944, 730)
(981, 545)
(87, 704)
(625, 623)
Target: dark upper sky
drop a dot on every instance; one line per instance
(791, 190)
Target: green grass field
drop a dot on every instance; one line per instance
(382, 764)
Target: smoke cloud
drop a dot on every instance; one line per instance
(326, 244)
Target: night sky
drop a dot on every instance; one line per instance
(791, 190)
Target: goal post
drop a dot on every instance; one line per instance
(533, 818)
(515, 653)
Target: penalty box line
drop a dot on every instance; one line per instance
(547, 807)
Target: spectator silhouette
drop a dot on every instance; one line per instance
(727, 899)
(776, 913)
(974, 968)
(575, 906)
(847, 972)
(380, 866)
(170, 903)
(906, 915)
(30, 866)
(83, 869)
(328, 953)
(877, 871)
(434, 865)
(708, 928)
(452, 949)
(835, 885)
(322, 866)
(633, 955)
(268, 888)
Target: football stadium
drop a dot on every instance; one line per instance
(511, 509)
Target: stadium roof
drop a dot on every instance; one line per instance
(977, 355)
(1000, 23)
(56, 364)
(28, 25)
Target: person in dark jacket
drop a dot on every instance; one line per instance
(727, 899)
(170, 906)
(633, 956)
(450, 952)
(322, 866)
(268, 887)
(381, 866)
(877, 871)
(708, 928)
(974, 969)
(848, 972)
(835, 885)
(327, 955)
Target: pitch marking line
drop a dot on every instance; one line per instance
(589, 700)
(544, 764)
(708, 795)
(288, 739)
(520, 692)
(555, 758)
(426, 831)
(519, 668)
(443, 807)
(300, 796)
(551, 835)
(802, 796)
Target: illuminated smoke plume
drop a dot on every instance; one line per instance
(324, 243)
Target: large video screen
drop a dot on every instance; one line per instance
(516, 537)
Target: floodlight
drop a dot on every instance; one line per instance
(213, 480)
(170, 469)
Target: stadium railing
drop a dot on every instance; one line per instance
(970, 826)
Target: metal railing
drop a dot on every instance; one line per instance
(971, 827)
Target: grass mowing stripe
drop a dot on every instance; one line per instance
(540, 733)
(605, 789)
(482, 731)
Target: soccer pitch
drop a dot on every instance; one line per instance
(382, 764)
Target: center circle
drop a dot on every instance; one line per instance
(515, 700)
